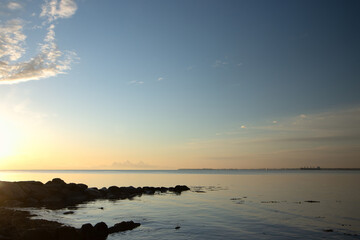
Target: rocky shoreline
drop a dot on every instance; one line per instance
(56, 194)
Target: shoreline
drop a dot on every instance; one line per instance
(16, 224)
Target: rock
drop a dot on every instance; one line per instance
(56, 181)
(73, 198)
(68, 212)
(101, 230)
(52, 200)
(93, 192)
(57, 194)
(4, 238)
(181, 188)
(177, 227)
(123, 226)
(38, 234)
(87, 231)
(36, 190)
(67, 233)
(13, 203)
(82, 186)
(10, 190)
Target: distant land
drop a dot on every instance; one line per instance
(236, 169)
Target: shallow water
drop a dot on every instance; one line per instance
(222, 204)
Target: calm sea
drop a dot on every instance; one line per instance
(224, 204)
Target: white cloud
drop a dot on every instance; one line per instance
(243, 126)
(274, 122)
(49, 62)
(12, 40)
(135, 82)
(160, 79)
(14, 5)
(219, 63)
(55, 9)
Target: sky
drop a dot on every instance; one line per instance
(136, 84)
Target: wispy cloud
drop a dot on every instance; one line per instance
(219, 63)
(55, 9)
(131, 165)
(14, 5)
(135, 82)
(160, 79)
(49, 62)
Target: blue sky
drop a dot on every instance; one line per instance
(214, 83)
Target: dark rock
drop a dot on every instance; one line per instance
(101, 230)
(67, 233)
(312, 201)
(9, 191)
(56, 181)
(68, 212)
(38, 234)
(177, 227)
(87, 231)
(52, 200)
(328, 230)
(13, 203)
(82, 186)
(123, 226)
(93, 192)
(76, 197)
(181, 188)
(57, 194)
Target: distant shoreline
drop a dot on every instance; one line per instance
(265, 169)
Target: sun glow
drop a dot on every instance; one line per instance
(8, 139)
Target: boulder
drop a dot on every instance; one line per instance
(101, 231)
(87, 231)
(123, 226)
(56, 181)
(93, 192)
(38, 234)
(67, 233)
(10, 190)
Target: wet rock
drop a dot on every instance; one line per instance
(181, 188)
(123, 226)
(68, 212)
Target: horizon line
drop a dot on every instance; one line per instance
(182, 169)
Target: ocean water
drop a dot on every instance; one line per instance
(224, 204)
